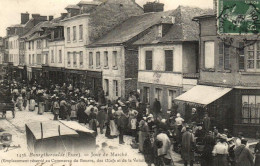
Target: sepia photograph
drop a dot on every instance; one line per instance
(130, 82)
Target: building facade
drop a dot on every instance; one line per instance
(233, 65)
(168, 58)
(85, 23)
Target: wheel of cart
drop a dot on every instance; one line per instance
(198, 152)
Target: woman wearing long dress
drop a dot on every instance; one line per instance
(133, 121)
(47, 101)
(112, 125)
(144, 130)
(32, 100)
(20, 102)
(73, 113)
(93, 120)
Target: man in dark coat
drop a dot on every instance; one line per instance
(121, 123)
(187, 147)
(101, 117)
(81, 111)
(156, 107)
(243, 155)
(206, 122)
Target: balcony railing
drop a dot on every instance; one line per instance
(191, 75)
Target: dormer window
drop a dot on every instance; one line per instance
(160, 29)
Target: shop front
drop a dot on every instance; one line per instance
(84, 79)
(37, 75)
(218, 102)
(247, 116)
(55, 75)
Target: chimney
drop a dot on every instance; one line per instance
(215, 6)
(35, 16)
(24, 17)
(43, 18)
(63, 15)
(50, 18)
(153, 7)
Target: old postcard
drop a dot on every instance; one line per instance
(129, 82)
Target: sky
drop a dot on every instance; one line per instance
(10, 10)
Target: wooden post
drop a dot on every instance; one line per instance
(59, 129)
(41, 131)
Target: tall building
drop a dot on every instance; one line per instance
(85, 23)
(229, 83)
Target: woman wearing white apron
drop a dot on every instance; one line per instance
(113, 128)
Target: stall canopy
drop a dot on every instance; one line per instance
(203, 95)
(59, 136)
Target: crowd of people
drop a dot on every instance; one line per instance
(153, 135)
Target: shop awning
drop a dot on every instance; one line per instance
(203, 95)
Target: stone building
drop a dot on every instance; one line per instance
(86, 22)
(168, 57)
(229, 83)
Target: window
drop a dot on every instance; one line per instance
(33, 45)
(80, 32)
(74, 33)
(81, 58)
(39, 59)
(168, 60)
(224, 59)
(60, 56)
(90, 59)
(148, 60)
(105, 59)
(250, 109)
(241, 56)
(171, 96)
(115, 82)
(97, 59)
(38, 44)
(209, 55)
(52, 56)
(114, 59)
(146, 95)
(46, 59)
(74, 58)
(158, 94)
(29, 46)
(30, 59)
(253, 57)
(106, 87)
(33, 59)
(68, 34)
(68, 54)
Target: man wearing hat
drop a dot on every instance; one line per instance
(187, 148)
(121, 123)
(243, 156)
(81, 108)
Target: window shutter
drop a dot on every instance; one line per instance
(149, 60)
(241, 56)
(226, 57)
(168, 60)
(220, 51)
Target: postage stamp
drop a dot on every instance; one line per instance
(238, 16)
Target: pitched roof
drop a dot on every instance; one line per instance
(39, 28)
(83, 2)
(72, 7)
(131, 28)
(184, 29)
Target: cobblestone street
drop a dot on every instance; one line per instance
(16, 127)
